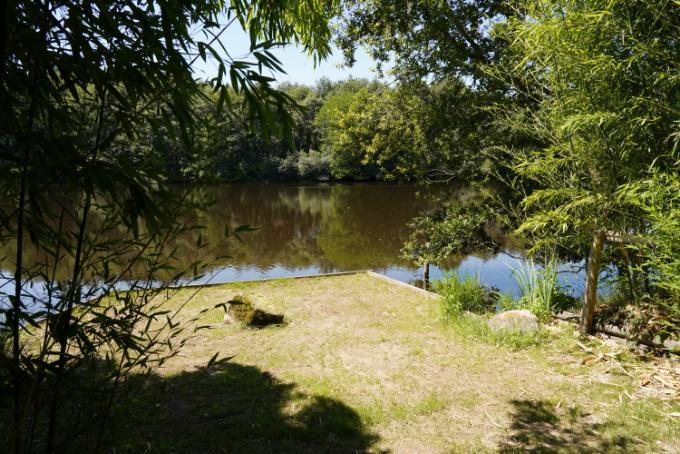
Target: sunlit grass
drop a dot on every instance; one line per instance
(364, 365)
(476, 328)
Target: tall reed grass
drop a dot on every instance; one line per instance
(538, 287)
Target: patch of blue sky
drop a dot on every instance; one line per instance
(299, 67)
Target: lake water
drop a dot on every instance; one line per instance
(325, 228)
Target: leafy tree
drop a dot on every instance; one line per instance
(439, 51)
(604, 75)
(350, 137)
(336, 101)
(305, 132)
(430, 39)
(456, 229)
(380, 134)
(411, 132)
(314, 164)
(658, 197)
(81, 82)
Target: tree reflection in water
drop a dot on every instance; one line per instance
(315, 228)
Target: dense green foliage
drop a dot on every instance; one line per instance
(413, 132)
(349, 130)
(582, 134)
(88, 89)
(465, 294)
(439, 234)
(606, 80)
(433, 124)
(229, 146)
(430, 39)
(659, 198)
(656, 276)
(608, 118)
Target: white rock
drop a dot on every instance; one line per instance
(519, 320)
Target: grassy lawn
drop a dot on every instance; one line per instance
(362, 364)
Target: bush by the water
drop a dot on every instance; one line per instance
(537, 287)
(464, 294)
(311, 164)
(539, 293)
(467, 302)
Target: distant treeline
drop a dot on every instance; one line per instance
(350, 130)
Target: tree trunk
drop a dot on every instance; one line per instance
(592, 274)
(17, 306)
(426, 276)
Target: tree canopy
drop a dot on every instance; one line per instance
(85, 87)
(605, 76)
(430, 39)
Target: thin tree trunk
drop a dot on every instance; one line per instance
(16, 310)
(73, 297)
(426, 276)
(592, 274)
(18, 279)
(17, 305)
(4, 38)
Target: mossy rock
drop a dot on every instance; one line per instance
(240, 309)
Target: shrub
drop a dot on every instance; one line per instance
(456, 229)
(659, 248)
(507, 302)
(467, 294)
(645, 315)
(288, 166)
(313, 164)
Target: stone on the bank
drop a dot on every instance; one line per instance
(516, 321)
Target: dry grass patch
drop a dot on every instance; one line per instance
(362, 365)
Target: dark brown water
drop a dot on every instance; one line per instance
(324, 228)
(318, 228)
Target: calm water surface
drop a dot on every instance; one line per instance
(321, 228)
(324, 228)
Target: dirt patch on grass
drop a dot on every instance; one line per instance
(362, 365)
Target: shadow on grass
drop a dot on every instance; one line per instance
(537, 427)
(236, 408)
